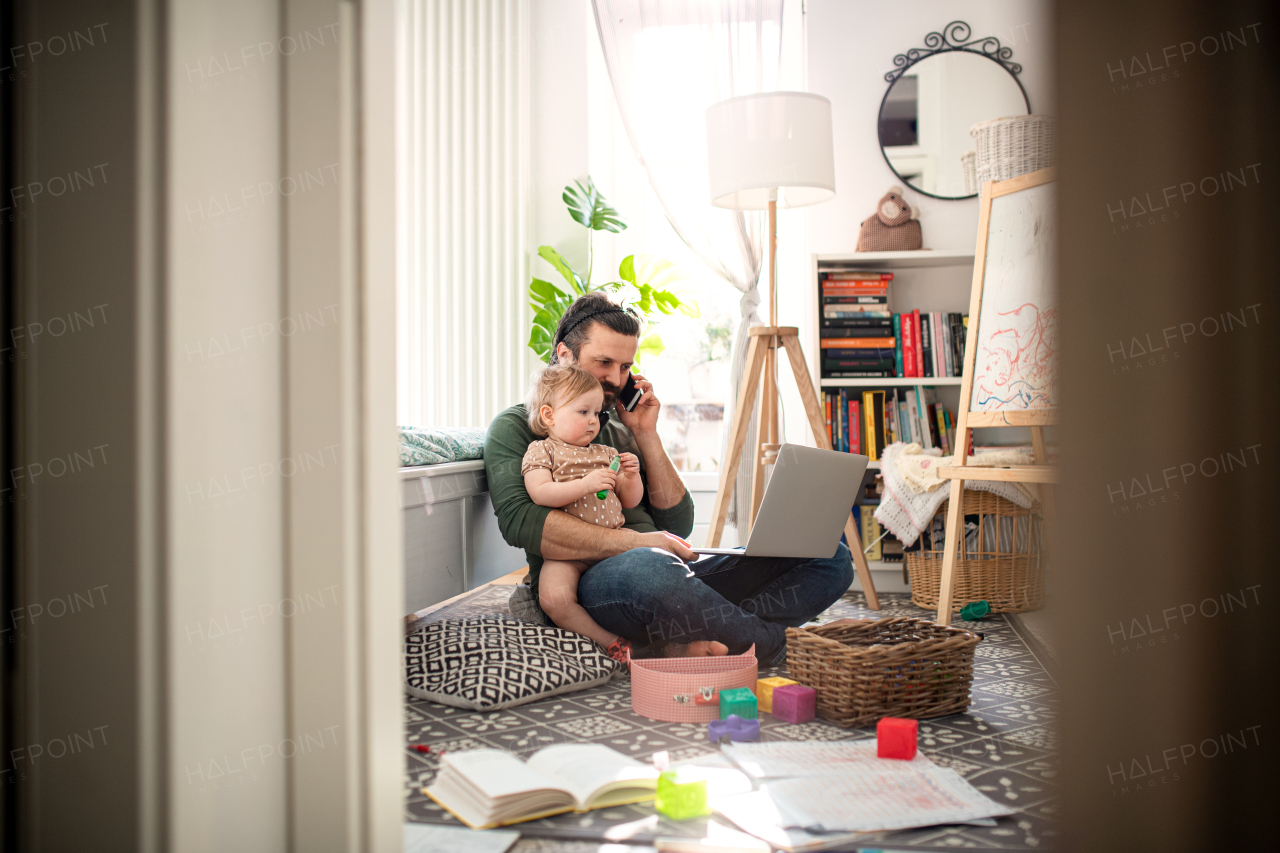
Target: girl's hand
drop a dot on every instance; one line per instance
(599, 479)
(630, 464)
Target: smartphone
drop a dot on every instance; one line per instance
(630, 395)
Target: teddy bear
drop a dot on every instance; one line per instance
(893, 228)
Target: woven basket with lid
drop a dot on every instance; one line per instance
(869, 669)
(1014, 145)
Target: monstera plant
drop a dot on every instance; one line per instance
(645, 282)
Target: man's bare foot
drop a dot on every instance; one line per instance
(696, 649)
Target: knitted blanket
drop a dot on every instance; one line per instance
(912, 487)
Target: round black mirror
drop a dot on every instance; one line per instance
(935, 95)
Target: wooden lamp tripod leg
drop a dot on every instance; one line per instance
(766, 432)
(737, 438)
(818, 424)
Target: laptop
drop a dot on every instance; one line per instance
(805, 504)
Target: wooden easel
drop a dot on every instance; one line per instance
(1036, 419)
(762, 359)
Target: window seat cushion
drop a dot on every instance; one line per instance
(436, 445)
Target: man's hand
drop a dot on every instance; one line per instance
(598, 480)
(669, 542)
(644, 417)
(630, 464)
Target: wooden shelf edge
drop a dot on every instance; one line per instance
(895, 381)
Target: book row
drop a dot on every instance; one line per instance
(861, 337)
(924, 344)
(866, 422)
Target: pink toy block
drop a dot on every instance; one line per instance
(794, 703)
(896, 738)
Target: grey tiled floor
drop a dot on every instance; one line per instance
(1004, 745)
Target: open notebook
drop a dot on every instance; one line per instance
(484, 788)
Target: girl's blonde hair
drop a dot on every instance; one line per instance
(556, 383)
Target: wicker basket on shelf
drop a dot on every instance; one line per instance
(883, 668)
(1001, 563)
(1012, 146)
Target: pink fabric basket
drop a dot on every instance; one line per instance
(667, 689)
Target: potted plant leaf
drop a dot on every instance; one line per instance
(645, 282)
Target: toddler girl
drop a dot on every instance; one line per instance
(566, 471)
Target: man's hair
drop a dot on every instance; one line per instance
(575, 326)
(557, 383)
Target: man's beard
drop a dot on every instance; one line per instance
(610, 393)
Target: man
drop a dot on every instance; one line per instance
(647, 586)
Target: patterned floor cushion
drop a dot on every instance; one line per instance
(487, 663)
(436, 445)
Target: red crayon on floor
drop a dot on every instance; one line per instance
(422, 747)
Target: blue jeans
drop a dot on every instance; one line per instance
(651, 597)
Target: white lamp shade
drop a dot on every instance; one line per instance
(773, 141)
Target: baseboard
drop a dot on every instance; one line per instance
(886, 577)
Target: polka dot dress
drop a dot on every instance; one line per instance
(569, 462)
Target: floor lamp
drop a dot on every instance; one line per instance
(768, 151)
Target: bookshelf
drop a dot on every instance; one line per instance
(930, 280)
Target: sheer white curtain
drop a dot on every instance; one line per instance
(668, 61)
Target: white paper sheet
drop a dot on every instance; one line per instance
(781, 760)
(872, 801)
(429, 838)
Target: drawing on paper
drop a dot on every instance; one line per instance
(1017, 331)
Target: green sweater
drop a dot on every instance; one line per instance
(521, 520)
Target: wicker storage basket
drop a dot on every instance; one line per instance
(1001, 563)
(1012, 146)
(883, 668)
(968, 170)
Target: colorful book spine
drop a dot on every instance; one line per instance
(855, 428)
(887, 373)
(855, 299)
(869, 423)
(915, 331)
(939, 413)
(844, 420)
(857, 352)
(897, 344)
(870, 533)
(927, 343)
(857, 343)
(913, 415)
(939, 359)
(907, 344)
(857, 275)
(826, 403)
(922, 419)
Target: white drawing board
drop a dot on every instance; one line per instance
(1016, 335)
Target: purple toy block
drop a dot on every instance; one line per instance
(733, 728)
(896, 738)
(794, 703)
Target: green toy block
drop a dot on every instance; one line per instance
(740, 701)
(681, 800)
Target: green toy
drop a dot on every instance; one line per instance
(613, 466)
(974, 610)
(681, 800)
(740, 701)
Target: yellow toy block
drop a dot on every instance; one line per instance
(764, 692)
